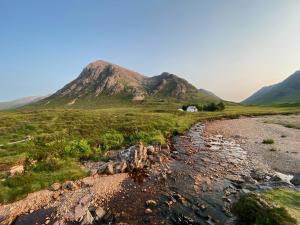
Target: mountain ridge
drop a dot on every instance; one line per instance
(287, 91)
(20, 102)
(104, 80)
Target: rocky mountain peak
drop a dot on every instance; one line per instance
(101, 79)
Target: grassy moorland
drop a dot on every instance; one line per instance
(61, 138)
(276, 207)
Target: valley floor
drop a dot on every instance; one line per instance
(196, 181)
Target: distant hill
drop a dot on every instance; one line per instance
(20, 102)
(103, 81)
(288, 91)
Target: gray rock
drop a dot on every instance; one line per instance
(109, 168)
(258, 175)
(235, 178)
(120, 167)
(135, 156)
(87, 219)
(102, 168)
(296, 179)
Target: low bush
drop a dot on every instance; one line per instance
(112, 139)
(255, 209)
(79, 149)
(268, 141)
(51, 164)
(151, 137)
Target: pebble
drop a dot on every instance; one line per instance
(151, 202)
(148, 211)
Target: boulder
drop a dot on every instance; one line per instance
(109, 168)
(87, 219)
(296, 179)
(102, 168)
(135, 156)
(120, 167)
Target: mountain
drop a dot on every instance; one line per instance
(20, 102)
(103, 81)
(288, 91)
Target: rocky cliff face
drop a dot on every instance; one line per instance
(102, 79)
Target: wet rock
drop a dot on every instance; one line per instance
(296, 179)
(275, 178)
(148, 211)
(55, 187)
(245, 191)
(203, 207)
(235, 178)
(258, 175)
(69, 185)
(251, 187)
(278, 184)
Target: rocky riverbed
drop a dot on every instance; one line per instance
(195, 180)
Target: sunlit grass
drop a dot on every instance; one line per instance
(109, 127)
(289, 199)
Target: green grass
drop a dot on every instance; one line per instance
(73, 134)
(287, 198)
(268, 141)
(254, 209)
(292, 126)
(17, 187)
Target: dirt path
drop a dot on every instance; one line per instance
(282, 156)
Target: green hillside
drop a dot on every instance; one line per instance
(288, 91)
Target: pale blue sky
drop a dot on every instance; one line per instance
(230, 47)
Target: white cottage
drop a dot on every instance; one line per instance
(192, 108)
